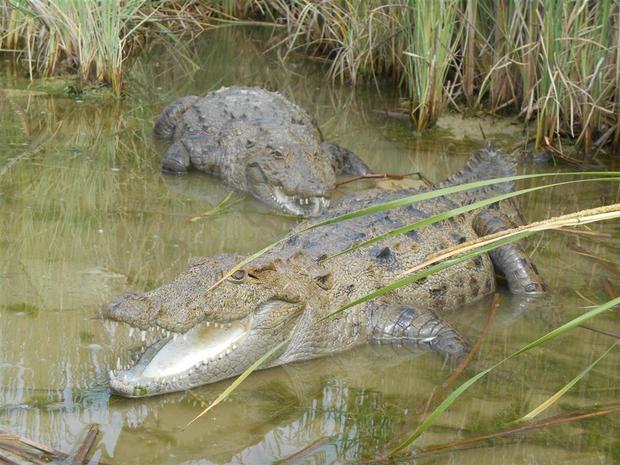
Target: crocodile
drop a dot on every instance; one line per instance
(258, 142)
(196, 333)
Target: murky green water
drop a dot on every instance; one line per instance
(85, 215)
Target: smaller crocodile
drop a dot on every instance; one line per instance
(259, 142)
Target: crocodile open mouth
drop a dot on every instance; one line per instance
(299, 205)
(176, 361)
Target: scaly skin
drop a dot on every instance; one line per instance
(288, 292)
(257, 142)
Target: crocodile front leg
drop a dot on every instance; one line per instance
(192, 151)
(510, 259)
(344, 161)
(166, 124)
(176, 159)
(404, 325)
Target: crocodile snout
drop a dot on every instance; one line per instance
(132, 308)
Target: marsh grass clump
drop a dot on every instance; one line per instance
(66, 35)
(89, 39)
(555, 63)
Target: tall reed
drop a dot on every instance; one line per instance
(68, 35)
(431, 35)
(553, 62)
(90, 39)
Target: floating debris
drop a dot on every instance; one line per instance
(19, 450)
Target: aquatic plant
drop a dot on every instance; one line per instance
(450, 399)
(221, 208)
(431, 36)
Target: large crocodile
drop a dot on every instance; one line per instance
(286, 293)
(258, 142)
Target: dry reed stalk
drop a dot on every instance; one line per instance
(559, 420)
(87, 444)
(572, 219)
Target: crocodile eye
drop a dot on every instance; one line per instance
(238, 275)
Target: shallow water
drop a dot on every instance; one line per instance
(86, 215)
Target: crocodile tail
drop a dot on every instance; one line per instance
(170, 116)
(486, 163)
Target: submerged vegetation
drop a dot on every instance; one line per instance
(554, 63)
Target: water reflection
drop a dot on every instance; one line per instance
(85, 215)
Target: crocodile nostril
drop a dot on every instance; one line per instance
(110, 308)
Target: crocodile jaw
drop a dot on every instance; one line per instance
(180, 361)
(206, 353)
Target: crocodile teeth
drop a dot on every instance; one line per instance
(309, 206)
(175, 361)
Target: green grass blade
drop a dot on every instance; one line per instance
(582, 217)
(429, 271)
(448, 401)
(570, 325)
(240, 379)
(247, 260)
(226, 204)
(611, 176)
(408, 200)
(495, 242)
(551, 400)
(460, 210)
